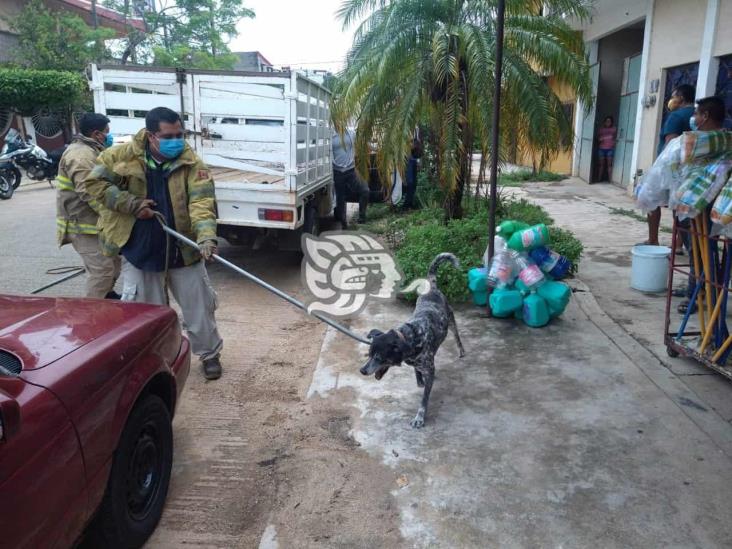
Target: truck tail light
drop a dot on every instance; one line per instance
(266, 214)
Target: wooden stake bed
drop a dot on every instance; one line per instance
(228, 174)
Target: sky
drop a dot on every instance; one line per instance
(298, 33)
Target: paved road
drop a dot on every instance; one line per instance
(570, 436)
(249, 444)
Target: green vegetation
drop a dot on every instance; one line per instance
(431, 64)
(519, 177)
(55, 40)
(183, 33)
(638, 217)
(26, 89)
(418, 236)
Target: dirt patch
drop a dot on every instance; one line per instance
(252, 452)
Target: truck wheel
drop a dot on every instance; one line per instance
(311, 224)
(138, 481)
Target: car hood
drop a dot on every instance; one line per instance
(40, 330)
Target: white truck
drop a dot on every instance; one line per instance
(266, 137)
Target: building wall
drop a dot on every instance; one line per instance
(676, 39)
(563, 162)
(610, 15)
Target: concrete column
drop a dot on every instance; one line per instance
(708, 64)
(642, 88)
(579, 112)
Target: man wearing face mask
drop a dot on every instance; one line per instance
(681, 107)
(77, 212)
(158, 173)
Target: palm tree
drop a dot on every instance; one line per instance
(413, 60)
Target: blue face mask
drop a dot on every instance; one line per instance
(171, 148)
(693, 125)
(108, 140)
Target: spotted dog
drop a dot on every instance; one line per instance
(417, 340)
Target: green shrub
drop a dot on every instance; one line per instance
(515, 179)
(417, 237)
(27, 89)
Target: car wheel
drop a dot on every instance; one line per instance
(138, 481)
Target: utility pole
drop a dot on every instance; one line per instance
(500, 18)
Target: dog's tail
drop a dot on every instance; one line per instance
(436, 262)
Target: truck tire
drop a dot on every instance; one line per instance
(139, 479)
(311, 224)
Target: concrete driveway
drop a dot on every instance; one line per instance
(559, 437)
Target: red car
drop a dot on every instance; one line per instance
(87, 394)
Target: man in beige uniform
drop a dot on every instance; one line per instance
(77, 212)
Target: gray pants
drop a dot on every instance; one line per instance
(101, 271)
(191, 289)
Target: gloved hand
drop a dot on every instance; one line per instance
(208, 249)
(144, 209)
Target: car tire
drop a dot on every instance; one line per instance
(139, 479)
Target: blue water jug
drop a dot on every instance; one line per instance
(550, 262)
(478, 285)
(557, 296)
(536, 311)
(504, 302)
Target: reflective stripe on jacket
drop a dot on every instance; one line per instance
(77, 211)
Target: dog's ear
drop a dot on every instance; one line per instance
(373, 333)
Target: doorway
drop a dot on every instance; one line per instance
(615, 82)
(626, 121)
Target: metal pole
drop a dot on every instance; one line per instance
(500, 17)
(276, 291)
(76, 272)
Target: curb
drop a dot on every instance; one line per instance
(707, 420)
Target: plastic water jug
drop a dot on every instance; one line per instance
(530, 238)
(536, 311)
(550, 262)
(528, 272)
(504, 302)
(502, 270)
(499, 245)
(508, 227)
(478, 285)
(557, 296)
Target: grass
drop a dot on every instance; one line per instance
(519, 177)
(635, 215)
(416, 237)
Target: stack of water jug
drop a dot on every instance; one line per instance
(523, 275)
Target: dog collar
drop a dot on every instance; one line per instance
(401, 336)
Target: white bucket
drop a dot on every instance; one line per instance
(649, 272)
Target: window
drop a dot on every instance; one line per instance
(724, 87)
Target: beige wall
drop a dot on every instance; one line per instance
(610, 15)
(676, 39)
(723, 45)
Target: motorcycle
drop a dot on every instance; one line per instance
(6, 186)
(38, 164)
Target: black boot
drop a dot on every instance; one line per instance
(112, 295)
(212, 368)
